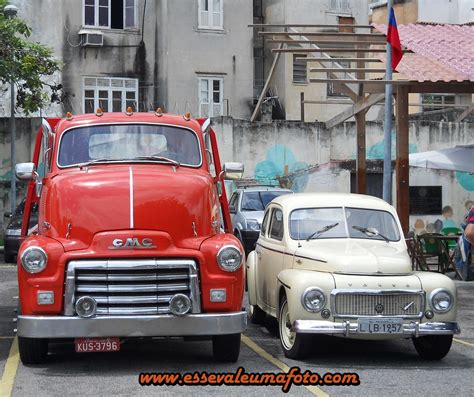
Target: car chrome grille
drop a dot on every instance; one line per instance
(378, 303)
(131, 287)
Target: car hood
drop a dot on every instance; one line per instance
(353, 256)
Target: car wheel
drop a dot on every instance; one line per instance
(226, 348)
(433, 347)
(32, 350)
(294, 345)
(9, 258)
(256, 315)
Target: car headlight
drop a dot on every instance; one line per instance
(34, 259)
(252, 224)
(229, 258)
(313, 299)
(441, 300)
(13, 232)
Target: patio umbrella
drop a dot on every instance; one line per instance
(458, 158)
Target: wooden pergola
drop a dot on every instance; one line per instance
(325, 44)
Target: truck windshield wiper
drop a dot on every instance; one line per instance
(318, 233)
(100, 160)
(158, 158)
(371, 232)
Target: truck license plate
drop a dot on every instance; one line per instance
(88, 345)
(380, 326)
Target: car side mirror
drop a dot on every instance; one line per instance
(233, 171)
(25, 171)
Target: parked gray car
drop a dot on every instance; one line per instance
(247, 206)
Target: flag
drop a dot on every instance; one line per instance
(394, 40)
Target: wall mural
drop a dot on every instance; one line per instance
(281, 168)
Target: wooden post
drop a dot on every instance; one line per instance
(402, 165)
(302, 105)
(361, 163)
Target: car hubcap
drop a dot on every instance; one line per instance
(287, 335)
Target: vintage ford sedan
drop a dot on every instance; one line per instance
(337, 264)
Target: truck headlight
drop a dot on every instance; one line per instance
(229, 258)
(34, 259)
(313, 299)
(252, 224)
(441, 300)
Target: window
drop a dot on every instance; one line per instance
(300, 74)
(429, 101)
(346, 21)
(233, 203)
(374, 184)
(276, 228)
(210, 14)
(339, 5)
(115, 14)
(265, 223)
(110, 94)
(211, 96)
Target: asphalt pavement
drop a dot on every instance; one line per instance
(384, 367)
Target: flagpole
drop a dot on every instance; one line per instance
(387, 133)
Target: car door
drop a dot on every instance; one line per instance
(270, 250)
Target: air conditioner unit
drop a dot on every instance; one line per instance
(91, 38)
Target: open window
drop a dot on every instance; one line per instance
(114, 14)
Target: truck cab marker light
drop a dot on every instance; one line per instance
(129, 111)
(99, 112)
(68, 116)
(45, 297)
(187, 116)
(158, 112)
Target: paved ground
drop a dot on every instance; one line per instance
(384, 367)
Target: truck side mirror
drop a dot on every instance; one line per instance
(233, 171)
(25, 171)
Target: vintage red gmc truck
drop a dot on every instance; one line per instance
(130, 239)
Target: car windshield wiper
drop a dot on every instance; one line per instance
(318, 233)
(95, 161)
(158, 158)
(371, 232)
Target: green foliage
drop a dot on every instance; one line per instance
(29, 65)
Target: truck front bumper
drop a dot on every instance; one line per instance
(131, 326)
(346, 328)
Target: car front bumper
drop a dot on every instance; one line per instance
(132, 326)
(347, 328)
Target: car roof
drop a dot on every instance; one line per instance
(308, 200)
(264, 189)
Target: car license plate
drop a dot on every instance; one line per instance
(380, 326)
(88, 345)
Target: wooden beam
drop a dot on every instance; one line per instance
(362, 104)
(442, 87)
(361, 163)
(302, 105)
(265, 87)
(332, 49)
(303, 25)
(345, 42)
(401, 167)
(342, 69)
(317, 34)
(321, 59)
(464, 114)
(355, 81)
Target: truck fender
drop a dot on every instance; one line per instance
(251, 277)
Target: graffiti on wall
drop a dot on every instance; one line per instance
(281, 168)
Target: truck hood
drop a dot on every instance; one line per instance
(353, 256)
(83, 202)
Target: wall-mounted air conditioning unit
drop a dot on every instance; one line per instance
(91, 38)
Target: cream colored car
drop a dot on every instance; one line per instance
(337, 264)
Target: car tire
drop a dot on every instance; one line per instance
(294, 345)
(433, 347)
(256, 315)
(9, 258)
(226, 348)
(32, 350)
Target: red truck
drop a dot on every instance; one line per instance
(134, 235)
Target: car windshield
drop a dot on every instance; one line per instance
(129, 142)
(257, 201)
(360, 223)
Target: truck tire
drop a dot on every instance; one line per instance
(32, 350)
(226, 348)
(9, 258)
(294, 345)
(256, 315)
(433, 347)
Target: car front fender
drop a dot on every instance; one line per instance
(251, 280)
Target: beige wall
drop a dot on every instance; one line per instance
(405, 13)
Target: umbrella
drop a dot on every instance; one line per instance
(458, 158)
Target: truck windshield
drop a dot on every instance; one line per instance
(129, 142)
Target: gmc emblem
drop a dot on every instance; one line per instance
(132, 243)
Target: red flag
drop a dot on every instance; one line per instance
(394, 40)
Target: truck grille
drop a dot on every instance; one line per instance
(378, 303)
(131, 287)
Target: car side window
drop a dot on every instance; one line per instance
(265, 223)
(276, 225)
(233, 202)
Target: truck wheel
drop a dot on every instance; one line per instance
(32, 350)
(256, 315)
(9, 258)
(294, 345)
(433, 347)
(226, 347)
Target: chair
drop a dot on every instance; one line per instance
(431, 252)
(451, 231)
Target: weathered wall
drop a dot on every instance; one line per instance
(307, 157)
